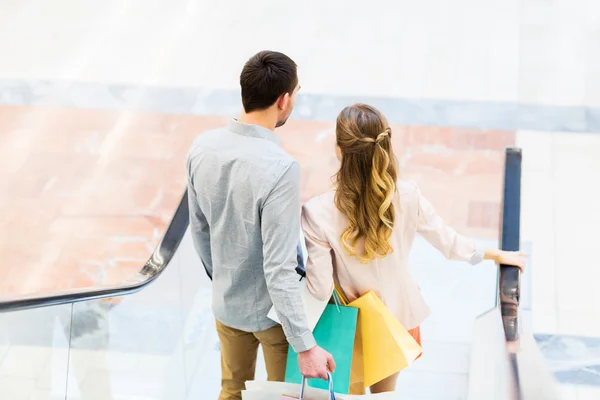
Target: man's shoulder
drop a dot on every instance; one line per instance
(206, 138)
(265, 158)
(285, 158)
(275, 162)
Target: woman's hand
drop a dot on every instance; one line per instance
(501, 257)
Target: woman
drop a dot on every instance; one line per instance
(361, 233)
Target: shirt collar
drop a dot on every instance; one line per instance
(255, 131)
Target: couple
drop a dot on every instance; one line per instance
(244, 198)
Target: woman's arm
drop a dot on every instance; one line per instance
(455, 246)
(319, 264)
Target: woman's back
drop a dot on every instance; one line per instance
(322, 216)
(362, 233)
(388, 276)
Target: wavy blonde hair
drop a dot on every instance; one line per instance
(366, 180)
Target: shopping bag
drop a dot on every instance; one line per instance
(335, 332)
(357, 373)
(259, 390)
(288, 391)
(387, 347)
(313, 307)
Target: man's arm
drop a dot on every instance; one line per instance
(200, 231)
(280, 224)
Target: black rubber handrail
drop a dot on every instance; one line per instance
(510, 277)
(151, 270)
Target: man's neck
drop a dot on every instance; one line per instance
(260, 118)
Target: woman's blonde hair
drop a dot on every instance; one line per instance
(366, 180)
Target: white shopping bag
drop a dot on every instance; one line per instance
(286, 391)
(257, 390)
(313, 307)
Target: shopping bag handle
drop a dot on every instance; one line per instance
(340, 294)
(329, 379)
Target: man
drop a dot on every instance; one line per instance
(244, 197)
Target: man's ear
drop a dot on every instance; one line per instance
(283, 101)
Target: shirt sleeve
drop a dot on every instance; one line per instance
(200, 230)
(280, 220)
(453, 245)
(319, 265)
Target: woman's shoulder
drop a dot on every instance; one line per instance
(319, 213)
(322, 202)
(407, 189)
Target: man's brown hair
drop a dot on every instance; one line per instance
(266, 76)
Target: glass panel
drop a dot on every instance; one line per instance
(490, 373)
(199, 343)
(135, 347)
(34, 353)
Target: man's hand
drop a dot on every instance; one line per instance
(315, 363)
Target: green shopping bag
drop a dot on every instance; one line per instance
(335, 333)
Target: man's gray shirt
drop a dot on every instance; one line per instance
(244, 199)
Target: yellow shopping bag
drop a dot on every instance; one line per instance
(387, 347)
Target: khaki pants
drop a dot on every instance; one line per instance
(238, 357)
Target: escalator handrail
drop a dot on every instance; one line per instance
(155, 265)
(509, 282)
(520, 371)
(531, 375)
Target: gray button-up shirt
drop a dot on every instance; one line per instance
(244, 198)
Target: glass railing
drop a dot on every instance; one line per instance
(506, 363)
(146, 345)
(130, 282)
(109, 342)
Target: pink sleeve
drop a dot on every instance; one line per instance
(453, 245)
(319, 265)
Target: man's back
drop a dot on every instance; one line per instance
(232, 172)
(244, 199)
